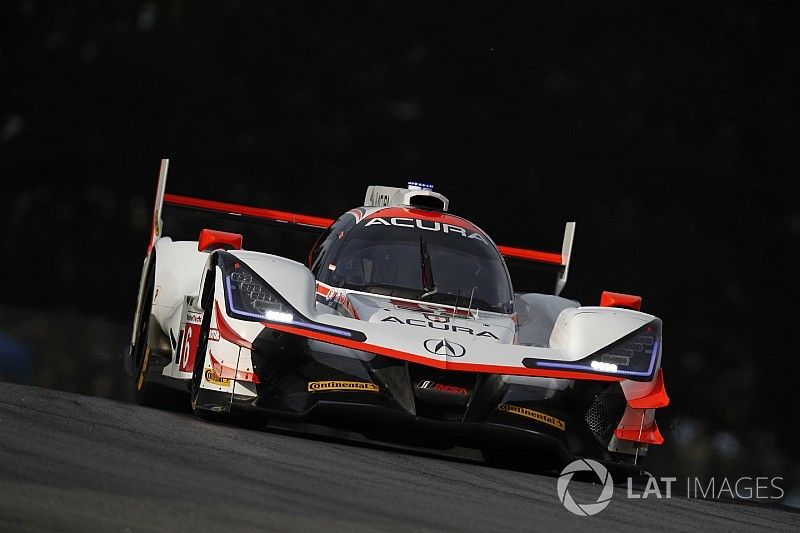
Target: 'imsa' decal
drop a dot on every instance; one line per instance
(442, 326)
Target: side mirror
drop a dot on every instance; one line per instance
(211, 239)
(617, 299)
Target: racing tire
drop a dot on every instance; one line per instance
(146, 392)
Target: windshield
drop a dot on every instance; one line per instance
(452, 268)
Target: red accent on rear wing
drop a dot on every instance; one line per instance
(531, 255)
(323, 223)
(256, 212)
(549, 258)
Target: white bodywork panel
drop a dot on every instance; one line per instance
(488, 338)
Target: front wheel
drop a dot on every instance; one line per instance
(200, 405)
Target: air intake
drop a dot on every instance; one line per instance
(380, 196)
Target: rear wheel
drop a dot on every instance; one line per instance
(144, 391)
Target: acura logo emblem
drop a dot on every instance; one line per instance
(445, 347)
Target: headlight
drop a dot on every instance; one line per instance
(250, 298)
(632, 357)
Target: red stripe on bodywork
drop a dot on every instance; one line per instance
(227, 332)
(257, 212)
(649, 435)
(444, 365)
(228, 372)
(655, 398)
(322, 290)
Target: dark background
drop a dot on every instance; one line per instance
(668, 131)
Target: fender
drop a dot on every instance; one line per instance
(584, 330)
(293, 281)
(179, 271)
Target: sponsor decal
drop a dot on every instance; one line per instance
(322, 386)
(443, 326)
(430, 225)
(535, 415)
(451, 389)
(444, 347)
(194, 318)
(213, 334)
(188, 346)
(214, 378)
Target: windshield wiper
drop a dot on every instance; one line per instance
(428, 284)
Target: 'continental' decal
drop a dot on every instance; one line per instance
(536, 415)
(320, 386)
(213, 378)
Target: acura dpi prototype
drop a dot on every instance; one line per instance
(402, 326)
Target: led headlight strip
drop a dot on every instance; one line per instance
(594, 363)
(281, 313)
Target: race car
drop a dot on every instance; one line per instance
(402, 326)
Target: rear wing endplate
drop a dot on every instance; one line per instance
(561, 261)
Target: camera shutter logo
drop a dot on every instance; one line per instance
(585, 509)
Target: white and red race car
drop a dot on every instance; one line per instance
(402, 326)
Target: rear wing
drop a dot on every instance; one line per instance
(314, 223)
(560, 261)
(225, 211)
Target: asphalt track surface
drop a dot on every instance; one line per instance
(77, 463)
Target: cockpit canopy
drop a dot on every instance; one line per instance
(418, 255)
